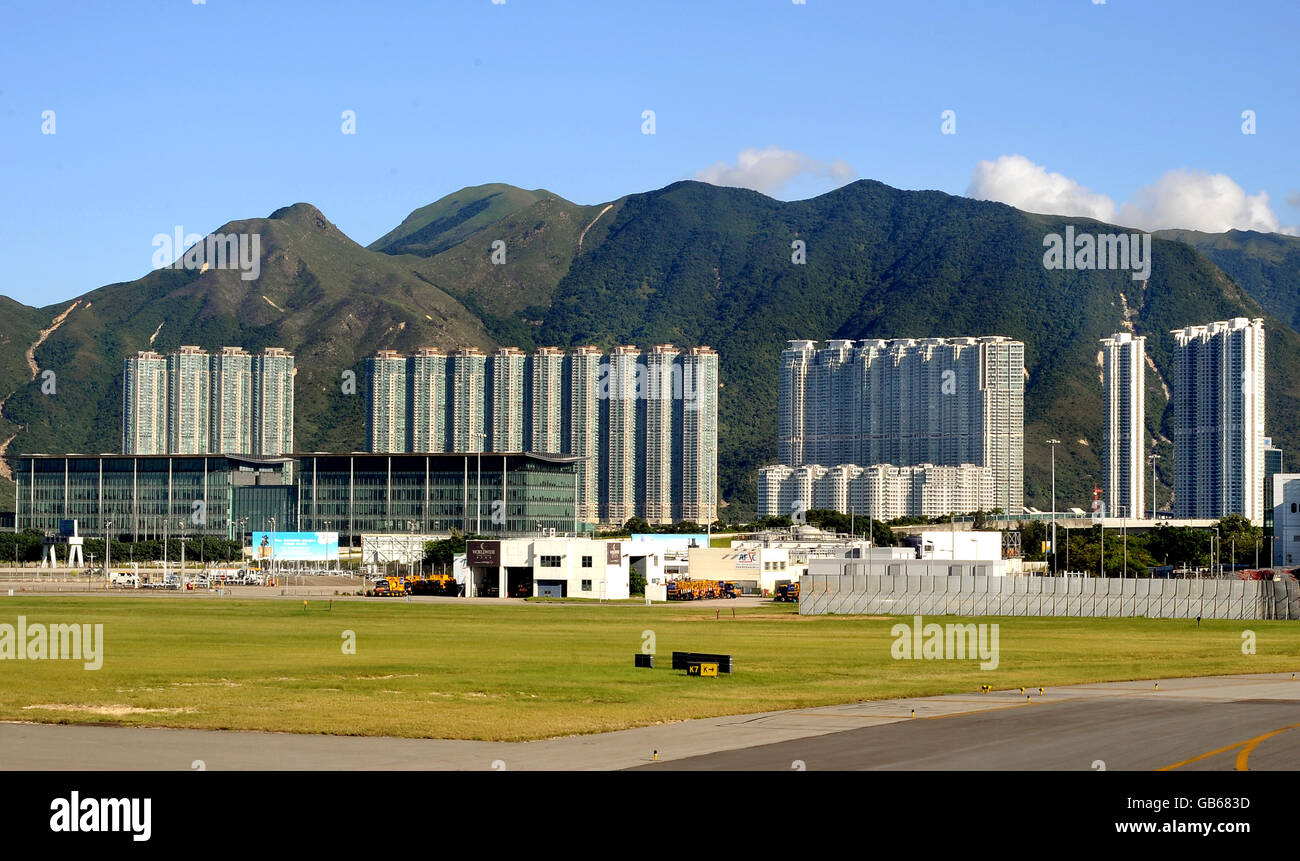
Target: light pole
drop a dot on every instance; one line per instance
(272, 544)
(1213, 548)
(1154, 457)
(478, 489)
(1054, 443)
(108, 546)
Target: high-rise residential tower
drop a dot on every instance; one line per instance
(188, 394)
(548, 404)
(273, 375)
(792, 400)
(662, 396)
(700, 435)
(426, 373)
(144, 404)
(1124, 451)
(467, 385)
(1218, 400)
(907, 402)
(584, 427)
(386, 403)
(618, 463)
(505, 381)
(230, 413)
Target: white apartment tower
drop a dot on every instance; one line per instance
(272, 416)
(907, 402)
(660, 432)
(386, 404)
(584, 427)
(618, 441)
(427, 378)
(188, 394)
(792, 396)
(467, 382)
(546, 422)
(1218, 399)
(1124, 424)
(700, 435)
(506, 382)
(144, 404)
(230, 412)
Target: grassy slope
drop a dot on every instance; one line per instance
(519, 672)
(320, 295)
(452, 219)
(1267, 265)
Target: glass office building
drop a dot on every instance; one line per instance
(149, 496)
(146, 497)
(495, 494)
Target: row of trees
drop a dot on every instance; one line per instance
(26, 546)
(1240, 543)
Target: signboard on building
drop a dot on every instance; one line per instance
(296, 546)
(483, 554)
(614, 553)
(746, 559)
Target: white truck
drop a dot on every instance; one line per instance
(124, 579)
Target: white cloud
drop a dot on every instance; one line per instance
(1293, 199)
(1015, 180)
(1191, 200)
(1199, 201)
(770, 170)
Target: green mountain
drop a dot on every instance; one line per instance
(1267, 265)
(689, 264)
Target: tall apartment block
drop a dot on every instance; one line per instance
(272, 421)
(661, 432)
(618, 461)
(467, 381)
(426, 374)
(505, 381)
(1124, 425)
(189, 378)
(792, 396)
(546, 418)
(230, 411)
(194, 402)
(584, 427)
(386, 404)
(1218, 399)
(144, 404)
(644, 425)
(907, 402)
(700, 435)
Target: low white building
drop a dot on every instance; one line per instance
(560, 567)
(1286, 519)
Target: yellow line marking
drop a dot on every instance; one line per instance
(1249, 745)
(1243, 758)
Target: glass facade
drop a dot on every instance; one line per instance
(143, 496)
(349, 494)
(434, 493)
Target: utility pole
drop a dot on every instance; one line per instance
(1154, 457)
(1054, 443)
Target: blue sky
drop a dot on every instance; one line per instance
(177, 113)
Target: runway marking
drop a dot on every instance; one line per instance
(1243, 758)
(1248, 746)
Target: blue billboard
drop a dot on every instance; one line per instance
(296, 546)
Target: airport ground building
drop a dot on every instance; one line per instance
(149, 496)
(561, 566)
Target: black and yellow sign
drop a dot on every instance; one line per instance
(702, 669)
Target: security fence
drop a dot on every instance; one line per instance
(907, 595)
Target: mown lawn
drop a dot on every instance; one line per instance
(533, 671)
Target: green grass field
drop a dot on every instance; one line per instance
(533, 671)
